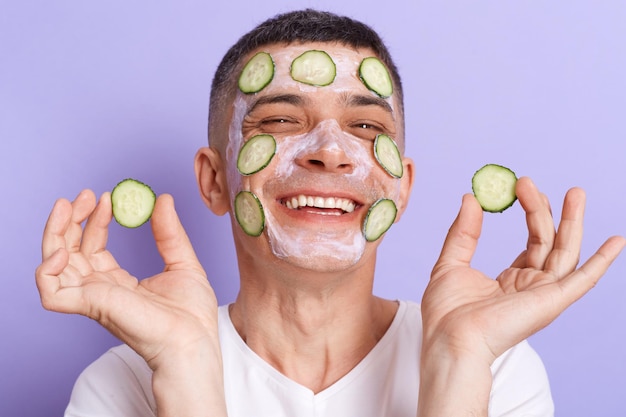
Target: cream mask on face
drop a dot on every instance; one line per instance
(330, 242)
(276, 159)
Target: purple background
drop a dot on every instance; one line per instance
(92, 92)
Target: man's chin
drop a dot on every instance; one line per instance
(320, 263)
(319, 253)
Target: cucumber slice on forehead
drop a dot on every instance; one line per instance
(313, 67)
(379, 219)
(249, 213)
(257, 73)
(132, 202)
(388, 155)
(494, 187)
(375, 76)
(256, 154)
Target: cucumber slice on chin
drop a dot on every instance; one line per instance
(379, 219)
(494, 187)
(132, 202)
(249, 213)
(314, 68)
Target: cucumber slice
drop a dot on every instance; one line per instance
(132, 202)
(314, 67)
(379, 219)
(494, 187)
(375, 76)
(388, 155)
(249, 213)
(256, 154)
(257, 73)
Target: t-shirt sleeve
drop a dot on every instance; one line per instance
(116, 384)
(520, 385)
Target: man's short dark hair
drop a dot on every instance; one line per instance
(297, 27)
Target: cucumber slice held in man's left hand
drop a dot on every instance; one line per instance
(494, 187)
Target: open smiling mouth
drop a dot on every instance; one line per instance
(322, 205)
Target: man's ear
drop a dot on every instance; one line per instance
(211, 177)
(406, 184)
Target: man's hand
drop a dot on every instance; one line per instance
(168, 319)
(471, 319)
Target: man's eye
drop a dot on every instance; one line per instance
(276, 121)
(366, 126)
(366, 130)
(279, 125)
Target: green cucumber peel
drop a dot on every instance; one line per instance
(249, 213)
(256, 154)
(380, 216)
(388, 155)
(493, 186)
(257, 73)
(374, 74)
(132, 203)
(314, 67)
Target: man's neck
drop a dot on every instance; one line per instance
(313, 333)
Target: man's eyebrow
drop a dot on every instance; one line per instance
(293, 99)
(357, 100)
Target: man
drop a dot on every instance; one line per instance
(305, 335)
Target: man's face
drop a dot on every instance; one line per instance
(323, 178)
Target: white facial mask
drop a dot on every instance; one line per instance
(328, 137)
(235, 142)
(287, 241)
(292, 242)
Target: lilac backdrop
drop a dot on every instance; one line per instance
(91, 92)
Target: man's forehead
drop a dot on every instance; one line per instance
(295, 48)
(344, 62)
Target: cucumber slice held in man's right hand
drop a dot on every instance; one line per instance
(132, 202)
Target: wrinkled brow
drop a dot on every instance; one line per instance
(294, 99)
(348, 99)
(358, 100)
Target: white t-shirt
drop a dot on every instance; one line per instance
(384, 384)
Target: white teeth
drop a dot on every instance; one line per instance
(344, 204)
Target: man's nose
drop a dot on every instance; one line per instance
(327, 148)
(329, 158)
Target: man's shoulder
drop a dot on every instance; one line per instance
(122, 360)
(410, 311)
(119, 373)
(406, 327)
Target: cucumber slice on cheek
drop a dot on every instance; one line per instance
(249, 213)
(256, 154)
(132, 202)
(494, 187)
(379, 219)
(388, 155)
